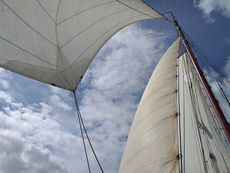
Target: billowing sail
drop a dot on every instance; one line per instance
(152, 144)
(204, 149)
(158, 142)
(54, 41)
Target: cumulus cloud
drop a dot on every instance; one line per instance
(15, 156)
(210, 6)
(112, 88)
(43, 124)
(227, 66)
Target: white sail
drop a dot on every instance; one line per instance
(203, 146)
(54, 41)
(156, 142)
(152, 143)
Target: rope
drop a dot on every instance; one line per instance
(86, 133)
(83, 140)
(208, 61)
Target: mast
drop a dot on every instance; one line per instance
(224, 123)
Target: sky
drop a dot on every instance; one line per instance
(38, 123)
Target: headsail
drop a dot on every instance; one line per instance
(152, 144)
(55, 41)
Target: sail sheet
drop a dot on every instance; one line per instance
(152, 142)
(204, 149)
(55, 41)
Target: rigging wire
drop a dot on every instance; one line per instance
(211, 69)
(207, 61)
(86, 133)
(82, 135)
(218, 85)
(202, 55)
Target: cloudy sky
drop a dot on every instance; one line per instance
(38, 126)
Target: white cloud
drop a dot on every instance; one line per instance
(15, 156)
(58, 102)
(210, 6)
(227, 67)
(117, 79)
(109, 94)
(5, 97)
(5, 84)
(34, 126)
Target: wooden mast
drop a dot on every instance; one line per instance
(224, 123)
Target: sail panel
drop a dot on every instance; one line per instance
(55, 41)
(152, 143)
(204, 149)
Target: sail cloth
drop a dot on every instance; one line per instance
(152, 142)
(55, 41)
(204, 149)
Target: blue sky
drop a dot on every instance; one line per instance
(38, 123)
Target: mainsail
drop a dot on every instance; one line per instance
(55, 41)
(175, 123)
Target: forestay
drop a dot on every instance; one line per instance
(152, 144)
(55, 41)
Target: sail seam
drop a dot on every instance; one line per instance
(77, 58)
(134, 9)
(84, 11)
(43, 8)
(88, 27)
(24, 50)
(27, 24)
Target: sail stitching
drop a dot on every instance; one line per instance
(84, 11)
(58, 48)
(43, 8)
(77, 58)
(24, 50)
(85, 29)
(134, 9)
(27, 24)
